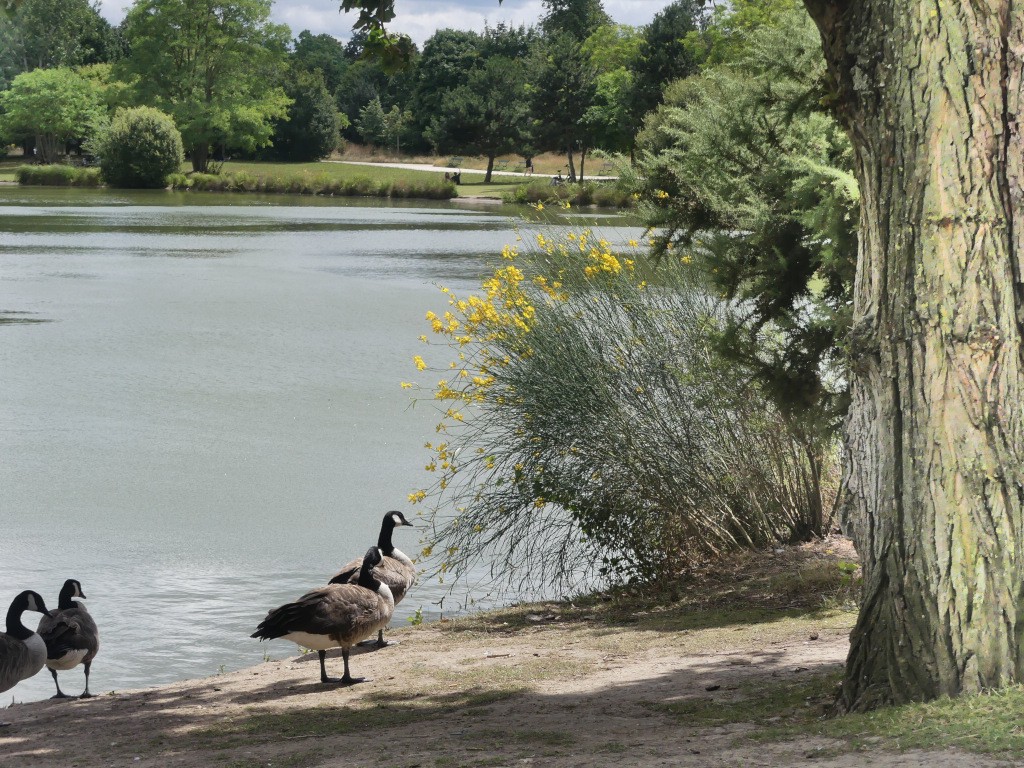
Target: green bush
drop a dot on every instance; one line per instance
(57, 176)
(140, 149)
(314, 184)
(587, 417)
(587, 193)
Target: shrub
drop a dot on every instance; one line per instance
(588, 193)
(57, 176)
(140, 149)
(590, 432)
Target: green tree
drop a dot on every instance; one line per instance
(53, 33)
(324, 53)
(140, 149)
(488, 116)
(372, 123)
(576, 18)
(52, 105)
(612, 52)
(663, 54)
(742, 170)
(564, 87)
(312, 128)
(449, 56)
(213, 65)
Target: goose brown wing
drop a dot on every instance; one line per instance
(348, 573)
(67, 630)
(14, 660)
(397, 575)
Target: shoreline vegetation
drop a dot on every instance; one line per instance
(343, 179)
(739, 666)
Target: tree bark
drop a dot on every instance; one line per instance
(572, 166)
(200, 158)
(930, 93)
(490, 169)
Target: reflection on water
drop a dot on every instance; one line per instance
(201, 414)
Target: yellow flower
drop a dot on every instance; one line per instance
(539, 206)
(417, 496)
(406, 385)
(633, 243)
(420, 364)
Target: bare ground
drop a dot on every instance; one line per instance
(613, 683)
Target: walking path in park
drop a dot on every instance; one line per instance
(439, 169)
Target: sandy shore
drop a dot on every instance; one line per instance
(539, 686)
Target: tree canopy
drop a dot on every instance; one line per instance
(213, 65)
(51, 105)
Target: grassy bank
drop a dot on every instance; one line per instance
(335, 179)
(57, 176)
(340, 180)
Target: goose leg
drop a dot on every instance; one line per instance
(60, 694)
(348, 679)
(380, 642)
(323, 670)
(86, 695)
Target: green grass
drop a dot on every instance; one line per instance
(8, 165)
(987, 723)
(332, 171)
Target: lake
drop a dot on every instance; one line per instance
(200, 406)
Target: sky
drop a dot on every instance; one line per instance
(421, 18)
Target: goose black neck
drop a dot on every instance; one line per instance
(366, 578)
(66, 593)
(14, 626)
(384, 540)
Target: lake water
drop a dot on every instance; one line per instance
(200, 406)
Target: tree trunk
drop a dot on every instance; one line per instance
(572, 166)
(48, 148)
(490, 168)
(200, 158)
(930, 95)
(583, 160)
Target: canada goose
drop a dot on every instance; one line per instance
(22, 651)
(70, 635)
(396, 570)
(335, 616)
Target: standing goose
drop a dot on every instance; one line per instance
(70, 635)
(396, 569)
(335, 616)
(22, 651)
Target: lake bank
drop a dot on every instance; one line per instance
(604, 683)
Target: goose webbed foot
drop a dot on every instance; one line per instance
(349, 680)
(61, 695)
(87, 695)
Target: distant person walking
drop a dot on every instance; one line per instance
(529, 166)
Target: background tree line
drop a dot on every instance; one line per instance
(235, 83)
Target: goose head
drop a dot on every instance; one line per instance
(72, 588)
(396, 519)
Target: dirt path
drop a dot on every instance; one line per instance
(537, 687)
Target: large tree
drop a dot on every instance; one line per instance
(488, 116)
(321, 52)
(213, 65)
(52, 106)
(312, 128)
(931, 97)
(53, 33)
